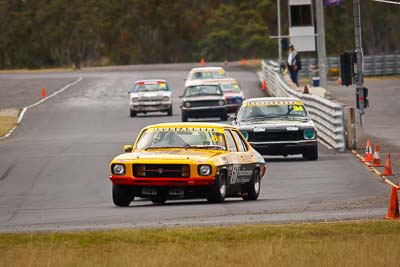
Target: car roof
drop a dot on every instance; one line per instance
(198, 69)
(202, 82)
(151, 81)
(190, 124)
(219, 80)
(271, 99)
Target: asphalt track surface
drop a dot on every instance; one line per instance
(54, 167)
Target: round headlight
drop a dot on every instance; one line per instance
(239, 100)
(134, 99)
(165, 98)
(309, 134)
(118, 169)
(204, 170)
(221, 102)
(187, 104)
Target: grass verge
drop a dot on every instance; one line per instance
(370, 243)
(8, 120)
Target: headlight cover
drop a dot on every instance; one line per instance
(187, 104)
(134, 99)
(221, 102)
(309, 134)
(165, 98)
(118, 169)
(204, 170)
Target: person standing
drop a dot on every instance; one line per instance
(294, 64)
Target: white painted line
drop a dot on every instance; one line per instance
(22, 113)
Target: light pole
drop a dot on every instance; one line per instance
(322, 61)
(278, 4)
(359, 54)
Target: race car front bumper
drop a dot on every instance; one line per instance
(150, 106)
(284, 148)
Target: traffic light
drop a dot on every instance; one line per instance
(366, 100)
(347, 60)
(363, 97)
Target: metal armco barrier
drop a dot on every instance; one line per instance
(328, 116)
(374, 65)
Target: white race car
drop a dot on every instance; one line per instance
(203, 73)
(150, 96)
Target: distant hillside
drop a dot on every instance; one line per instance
(47, 33)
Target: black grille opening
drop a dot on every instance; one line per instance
(161, 170)
(275, 136)
(204, 103)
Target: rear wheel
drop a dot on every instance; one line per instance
(218, 191)
(169, 112)
(132, 113)
(121, 196)
(253, 188)
(311, 154)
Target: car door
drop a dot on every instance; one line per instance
(238, 172)
(246, 157)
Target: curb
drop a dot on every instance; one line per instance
(374, 170)
(22, 113)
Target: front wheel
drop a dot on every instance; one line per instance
(184, 117)
(218, 191)
(132, 113)
(224, 116)
(169, 112)
(159, 199)
(121, 196)
(254, 186)
(311, 154)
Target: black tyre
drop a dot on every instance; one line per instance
(218, 192)
(184, 117)
(254, 186)
(224, 116)
(121, 196)
(159, 199)
(311, 154)
(169, 112)
(132, 113)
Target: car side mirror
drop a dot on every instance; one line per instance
(128, 148)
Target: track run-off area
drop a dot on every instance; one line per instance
(54, 166)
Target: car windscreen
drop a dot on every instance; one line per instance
(150, 87)
(230, 87)
(202, 138)
(282, 111)
(215, 74)
(203, 90)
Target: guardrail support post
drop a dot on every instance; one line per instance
(350, 127)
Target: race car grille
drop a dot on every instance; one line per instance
(161, 170)
(275, 136)
(151, 98)
(204, 103)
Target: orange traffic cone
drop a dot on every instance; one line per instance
(306, 90)
(393, 208)
(43, 91)
(368, 157)
(202, 62)
(263, 85)
(387, 171)
(243, 62)
(377, 158)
